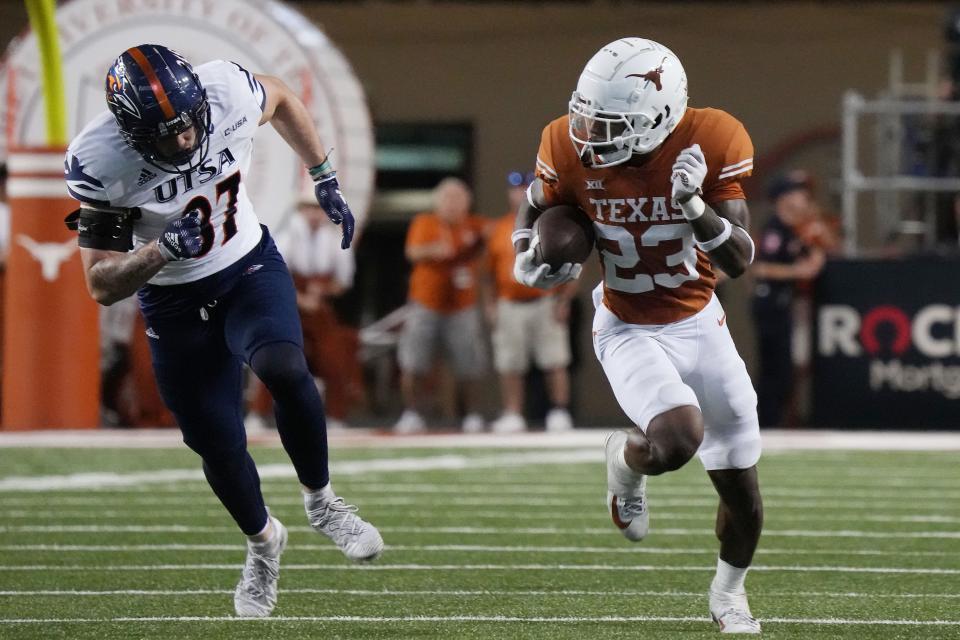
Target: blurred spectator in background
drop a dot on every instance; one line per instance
(310, 245)
(527, 323)
(116, 337)
(783, 260)
(444, 247)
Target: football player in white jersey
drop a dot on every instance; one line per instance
(165, 214)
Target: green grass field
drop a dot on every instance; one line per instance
(481, 543)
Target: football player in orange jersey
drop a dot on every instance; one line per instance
(661, 185)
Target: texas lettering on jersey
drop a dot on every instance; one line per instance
(653, 271)
(101, 169)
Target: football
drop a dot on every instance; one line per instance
(566, 235)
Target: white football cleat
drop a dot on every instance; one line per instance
(509, 422)
(330, 515)
(626, 492)
(256, 593)
(558, 420)
(410, 422)
(732, 613)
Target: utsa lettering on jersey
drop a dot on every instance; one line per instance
(165, 214)
(661, 184)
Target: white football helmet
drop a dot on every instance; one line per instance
(629, 98)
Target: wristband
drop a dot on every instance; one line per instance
(693, 208)
(320, 171)
(710, 245)
(166, 253)
(521, 234)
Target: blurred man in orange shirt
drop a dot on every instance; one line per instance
(444, 246)
(527, 322)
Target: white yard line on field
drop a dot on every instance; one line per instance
(778, 513)
(477, 567)
(141, 478)
(475, 548)
(486, 592)
(599, 531)
(468, 618)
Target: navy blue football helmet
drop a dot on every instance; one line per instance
(154, 94)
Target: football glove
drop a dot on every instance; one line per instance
(182, 238)
(688, 173)
(526, 271)
(327, 191)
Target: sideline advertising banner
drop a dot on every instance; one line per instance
(887, 344)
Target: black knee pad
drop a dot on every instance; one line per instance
(279, 364)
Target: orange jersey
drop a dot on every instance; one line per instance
(500, 258)
(653, 271)
(446, 285)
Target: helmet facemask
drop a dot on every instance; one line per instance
(606, 138)
(144, 140)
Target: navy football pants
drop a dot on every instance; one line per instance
(198, 357)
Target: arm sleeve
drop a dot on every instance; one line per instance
(81, 184)
(732, 161)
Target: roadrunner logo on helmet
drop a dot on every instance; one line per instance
(629, 98)
(155, 95)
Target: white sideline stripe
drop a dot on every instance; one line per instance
(543, 619)
(478, 567)
(95, 480)
(774, 440)
(598, 531)
(485, 592)
(639, 550)
(736, 164)
(734, 172)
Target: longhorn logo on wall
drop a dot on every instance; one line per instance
(261, 35)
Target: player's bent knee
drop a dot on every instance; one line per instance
(675, 435)
(680, 453)
(217, 454)
(279, 364)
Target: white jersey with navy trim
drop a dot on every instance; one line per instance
(101, 169)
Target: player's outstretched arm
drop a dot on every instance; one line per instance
(288, 115)
(721, 228)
